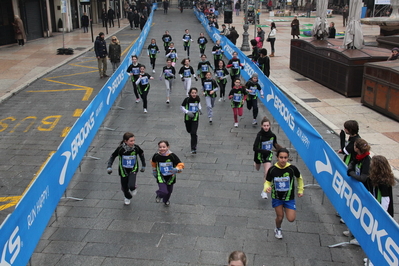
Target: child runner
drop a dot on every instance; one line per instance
(202, 41)
(134, 71)
(280, 182)
(143, 86)
(167, 39)
(203, 67)
(217, 52)
(351, 128)
(237, 258)
(264, 62)
(263, 145)
(221, 73)
(235, 65)
(186, 72)
(165, 166)
(187, 42)
(252, 100)
(237, 95)
(152, 51)
(169, 74)
(191, 106)
(210, 87)
(127, 153)
(172, 53)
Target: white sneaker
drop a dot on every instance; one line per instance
(354, 242)
(254, 122)
(235, 124)
(167, 101)
(153, 71)
(220, 99)
(137, 100)
(278, 234)
(264, 195)
(127, 201)
(134, 192)
(347, 233)
(145, 110)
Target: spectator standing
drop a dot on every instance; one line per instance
(272, 37)
(100, 48)
(331, 31)
(237, 7)
(136, 19)
(165, 6)
(104, 17)
(143, 21)
(225, 31)
(260, 36)
(111, 16)
(264, 62)
(295, 28)
(19, 30)
(233, 35)
(130, 17)
(85, 22)
(115, 52)
(345, 13)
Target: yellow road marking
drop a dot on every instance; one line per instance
(65, 131)
(77, 113)
(86, 96)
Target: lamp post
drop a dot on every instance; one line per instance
(245, 42)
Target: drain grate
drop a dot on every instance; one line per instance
(301, 79)
(311, 100)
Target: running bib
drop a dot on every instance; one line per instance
(202, 41)
(357, 169)
(208, 86)
(267, 145)
(168, 73)
(282, 184)
(128, 161)
(236, 65)
(166, 168)
(237, 97)
(193, 107)
(172, 55)
(253, 90)
(166, 39)
(218, 52)
(187, 38)
(187, 73)
(136, 70)
(219, 73)
(144, 80)
(204, 68)
(153, 51)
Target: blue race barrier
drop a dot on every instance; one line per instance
(373, 227)
(21, 231)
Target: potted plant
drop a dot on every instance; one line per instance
(60, 25)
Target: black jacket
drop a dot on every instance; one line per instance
(100, 47)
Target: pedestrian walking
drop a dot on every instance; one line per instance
(165, 166)
(204, 66)
(351, 128)
(217, 52)
(127, 153)
(272, 37)
(134, 71)
(295, 27)
(85, 22)
(169, 74)
(221, 73)
(111, 16)
(264, 62)
(235, 67)
(202, 41)
(280, 183)
(19, 30)
(172, 53)
(186, 73)
(187, 42)
(100, 48)
(143, 86)
(167, 39)
(152, 52)
(253, 89)
(191, 107)
(210, 87)
(115, 52)
(264, 142)
(237, 95)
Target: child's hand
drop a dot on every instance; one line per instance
(268, 190)
(230, 97)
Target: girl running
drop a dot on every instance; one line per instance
(169, 74)
(210, 88)
(127, 153)
(237, 95)
(152, 51)
(167, 39)
(172, 53)
(217, 52)
(143, 86)
(202, 41)
(186, 72)
(191, 107)
(134, 71)
(253, 88)
(280, 183)
(203, 67)
(165, 166)
(187, 42)
(221, 73)
(235, 65)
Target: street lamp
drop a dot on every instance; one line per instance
(245, 41)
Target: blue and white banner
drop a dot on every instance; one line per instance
(374, 228)
(21, 231)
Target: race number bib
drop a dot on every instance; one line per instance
(144, 80)
(166, 39)
(267, 145)
(186, 73)
(166, 168)
(237, 97)
(253, 90)
(172, 55)
(282, 184)
(202, 41)
(153, 51)
(207, 85)
(128, 161)
(136, 70)
(236, 65)
(204, 68)
(218, 52)
(193, 107)
(187, 38)
(219, 73)
(168, 73)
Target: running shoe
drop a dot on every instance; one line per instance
(153, 71)
(157, 199)
(235, 124)
(193, 151)
(254, 122)
(166, 204)
(134, 192)
(137, 100)
(127, 201)
(220, 99)
(145, 110)
(264, 195)
(277, 233)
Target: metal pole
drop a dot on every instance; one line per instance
(245, 43)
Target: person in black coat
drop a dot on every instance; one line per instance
(104, 17)
(233, 35)
(264, 62)
(143, 20)
(165, 6)
(100, 48)
(111, 16)
(130, 17)
(331, 31)
(85, 22)
(136, 19)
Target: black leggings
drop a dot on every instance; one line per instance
(222, 87)
(128, 183)
(152, 62)
(253, 104)
(144, 98)
(136, 93)
(192, 127)
(187, 48)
